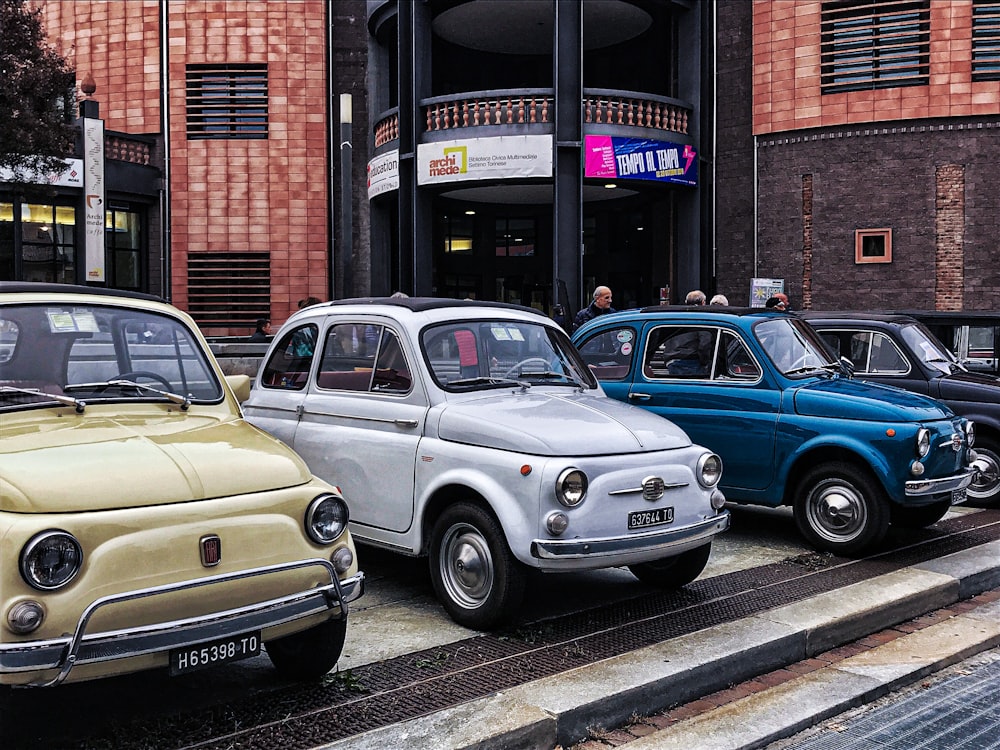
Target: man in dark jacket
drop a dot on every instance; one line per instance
(600, 306)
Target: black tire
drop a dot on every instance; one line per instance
(841, 509)
(920, 516)
(310, 654)
(475, 575)
(985, 486)
(673, 572)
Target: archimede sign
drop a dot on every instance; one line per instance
(502, 157)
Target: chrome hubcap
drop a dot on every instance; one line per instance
(837, 512)
(466, 566)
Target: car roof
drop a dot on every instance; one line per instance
(34, 287)
(707, 310)
(423, 304)
(868, 316)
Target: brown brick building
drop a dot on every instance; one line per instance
(857, 150)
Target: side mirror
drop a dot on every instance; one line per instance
(240, 386)
(847, 366)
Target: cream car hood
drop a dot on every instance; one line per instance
(56, 463)
(558, 423)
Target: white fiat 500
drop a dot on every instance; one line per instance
(473, 433)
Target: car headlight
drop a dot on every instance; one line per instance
(571, 487)
(970, 433)
(51, 559)
(709, 470)
(923, 442)
(326, 519)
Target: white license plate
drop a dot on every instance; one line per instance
(958, 496)
(640, 519)
(222, 651)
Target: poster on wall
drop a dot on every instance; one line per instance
(383, 173)
(502, 157)
(761, 290)
(93, 197)
(611, 157)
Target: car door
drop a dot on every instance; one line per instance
(275, 403)
(877, 356)
(361, 422)
(362, 419)
(706, 380)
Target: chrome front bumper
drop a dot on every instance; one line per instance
(664, 541)
(918, 487)
(87, 648)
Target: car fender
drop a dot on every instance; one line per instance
(803, 456)
(514, 501)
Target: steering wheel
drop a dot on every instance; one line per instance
(800, 362)
(134, 376)
(517, 368)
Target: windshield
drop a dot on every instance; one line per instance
(53, 354)
(471, 355)
(793, 346)
(930, 351)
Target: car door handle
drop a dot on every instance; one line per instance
(405, 422)
(640, 396)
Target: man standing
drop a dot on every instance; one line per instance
(600, 306)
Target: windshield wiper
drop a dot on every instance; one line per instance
(184, 401)
(481, 379)
(826, 369)
(78, 404)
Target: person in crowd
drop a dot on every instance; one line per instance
(719, 299)
(263, 332)
(308, 302)
(600, 306)
(560, 317)
(695, 297)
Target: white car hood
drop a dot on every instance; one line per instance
(556, 423)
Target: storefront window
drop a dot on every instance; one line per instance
(6, 241)
(47, 243)
(515, 237)
(457, 232)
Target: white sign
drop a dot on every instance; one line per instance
(503, 157)
(383, 173)
(761, 290)
(93, 197)
(71, 176)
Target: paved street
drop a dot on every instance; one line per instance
(407, 664)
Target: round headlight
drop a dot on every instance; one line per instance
(571, 487)
(51, 560)
(923, 442)
(970, 433)
(709, 470)
(326, 519)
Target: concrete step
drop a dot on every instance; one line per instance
(563, 708)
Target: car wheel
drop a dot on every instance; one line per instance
(310, 654)
(920, 516)
(986, 484)
(840, 509)
(673, 572)
(475, 575)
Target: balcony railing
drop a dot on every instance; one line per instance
(530, 107)
(127, 148)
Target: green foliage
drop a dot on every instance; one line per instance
(36, 96)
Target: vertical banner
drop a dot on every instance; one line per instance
(93, 197)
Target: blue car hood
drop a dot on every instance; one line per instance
(853, 399)
(557, 423)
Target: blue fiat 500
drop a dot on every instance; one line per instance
(760, 389)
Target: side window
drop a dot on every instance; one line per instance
(861, 345)
(348, 357)
(679, 352)
(392, 374)
(886, 357)
(291, 359)
(609, 353)
(733, 361)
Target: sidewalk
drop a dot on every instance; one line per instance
(740, 684)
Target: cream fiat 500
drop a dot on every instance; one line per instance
(143, 523)
(474, 434)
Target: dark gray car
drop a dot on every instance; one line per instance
(898, 350)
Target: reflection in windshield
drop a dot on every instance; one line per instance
(930, 351)
(489, 353)
(792, 346)
(86, 352)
